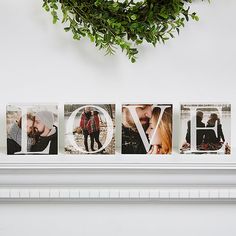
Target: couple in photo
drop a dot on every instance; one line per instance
(207, 139)
(41, 134)
(90, 126)
(148, 115)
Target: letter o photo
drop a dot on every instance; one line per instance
(147, 128)
(89, 128)
(32, 129)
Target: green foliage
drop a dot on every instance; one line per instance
(125, 24)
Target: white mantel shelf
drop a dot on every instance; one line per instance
(66, 178)
(117, 184)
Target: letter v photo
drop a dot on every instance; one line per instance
(147, 128)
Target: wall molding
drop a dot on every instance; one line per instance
(118, 194)
(117, 185)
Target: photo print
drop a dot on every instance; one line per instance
(205, 128)
(32, 129)
(89, 128)
(147, 128)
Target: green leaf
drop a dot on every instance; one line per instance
(133, 17)
(67, 29)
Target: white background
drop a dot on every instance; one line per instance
(41, 63)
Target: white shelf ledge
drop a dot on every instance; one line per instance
(173, 177)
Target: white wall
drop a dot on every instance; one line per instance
(41, 63)
(116, 220)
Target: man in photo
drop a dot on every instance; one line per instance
(14, 135)
(46, 133)
(200, 133)
(131, 140)
(93, 127)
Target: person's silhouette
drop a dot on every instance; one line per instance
(200, 133)
(211, 136)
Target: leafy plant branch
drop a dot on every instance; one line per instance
(111, 24)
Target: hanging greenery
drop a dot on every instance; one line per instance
(126, 24)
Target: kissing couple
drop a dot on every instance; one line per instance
(159, 138)
(42, 134)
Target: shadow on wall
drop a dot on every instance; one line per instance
(63, 43)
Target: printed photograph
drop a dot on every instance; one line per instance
(89, 128)
(147, 128)
(205, 128)
(32, 129)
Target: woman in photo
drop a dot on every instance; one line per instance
(86, 115)
(14, 135)
(215, 140)
(161, 142)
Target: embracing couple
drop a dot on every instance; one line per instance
(207, 139)
(42, 134)
(90, 125)
(159, 139)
